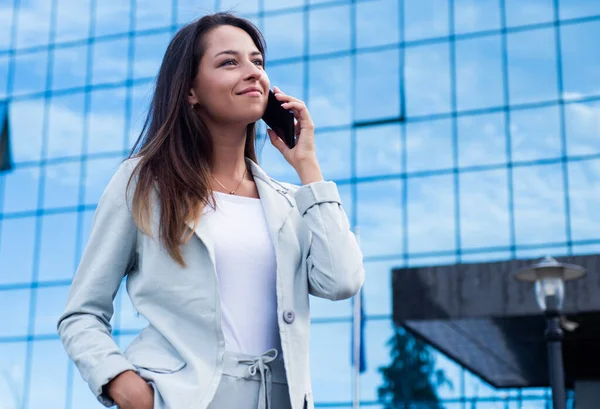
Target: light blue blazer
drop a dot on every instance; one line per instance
(180, 352)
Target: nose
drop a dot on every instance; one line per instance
(253, 72)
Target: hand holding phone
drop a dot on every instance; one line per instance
(280, 120)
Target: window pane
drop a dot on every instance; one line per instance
(479, 67)
(476, 15)
(26, 123)
(377, 85)
(379, 217)
(17, 243)
(329, 96)
(240, 6)
(535, 133)
(65, 125)
(48, 392)
(50, 304)
(98, 174)
(378, 150)
(429, 145)
(4, 61)
(152, 14)
(532, 66)
(12, 368)
(425, 19)
(281, 4)
(62, 185)
(334, 154)
(107, 121)
(110, 61)
(112, 17)
(539, 204)
(30, 73)
(72, 20)
(14, 313)
(283, 42)
(275, 164)
(522, 12)
(321, 308)
(6, 20)
(188, 10)
(141, 95)
(582, 123)
(33, 23)
(21, 190)
(427, 77)
(481, 140)
(584, 179)
(377, 289)
(484, 209)
(431, 214)
(82, 397)
(149, 52)
(288, 78)
(329, 29)
(578, 8)
(70, 64)
(377, 23)
(57, 251)
(330, 361)
(580, 59)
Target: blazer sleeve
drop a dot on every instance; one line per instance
(84, 327)
(335, 262)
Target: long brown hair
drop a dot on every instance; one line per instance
(175, 146)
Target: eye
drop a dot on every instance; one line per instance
(259, 62)
(227, 62)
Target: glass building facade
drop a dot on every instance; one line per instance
(457, 131)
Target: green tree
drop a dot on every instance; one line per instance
(411, 380)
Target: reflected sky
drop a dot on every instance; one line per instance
(482, 163)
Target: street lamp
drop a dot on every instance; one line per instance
(549, 277)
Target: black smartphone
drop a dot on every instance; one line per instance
(280, 120)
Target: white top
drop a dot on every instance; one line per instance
(246, 269)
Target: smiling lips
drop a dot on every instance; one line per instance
(251, 91)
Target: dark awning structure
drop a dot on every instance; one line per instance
(487, 321)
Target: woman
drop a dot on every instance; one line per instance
(219, 258)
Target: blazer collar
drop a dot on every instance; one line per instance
(274, 198)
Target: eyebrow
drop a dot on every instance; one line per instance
(232, 52)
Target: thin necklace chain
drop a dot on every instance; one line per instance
(232, 192)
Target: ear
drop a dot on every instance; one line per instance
(192, 98)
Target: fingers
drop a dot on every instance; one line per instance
(278, 142)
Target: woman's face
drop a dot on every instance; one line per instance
(231, 85)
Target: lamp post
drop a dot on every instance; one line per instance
(549, 277)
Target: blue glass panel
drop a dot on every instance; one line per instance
(188, 10)
(112, 17)
(584, 179)
(4, 63)
(425, 19)
(149, 52)
(17, 242)
(106, 128)
(12, 373)
(284, 34)
(57, 247)
(26, 125)
(484, 217)
(50, 304)
(476, 15)
(431, 214)
(240, 6)
(481, 139)
(30, 73)
(72, 20)
(578, 8)
(379, 217)
(582, 122)
(33, 23)
(429, 145)
(329, 95)
(65, 125)
(49, 357)
(110, 61)
(21, 187)
(532, 66)
(377, 85)
(535, 133)
(61, 185)
(98, 174)
(329, 29)
(334, 153)
(377, 289)
(539, 204)
(427, 77)
(522, 12)
(377, 23)
(580, 59)
(288, 78)
(378, 150)
(281, 4)
(14, 313)
(478, 68)
(152, 14)
(69, 70)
